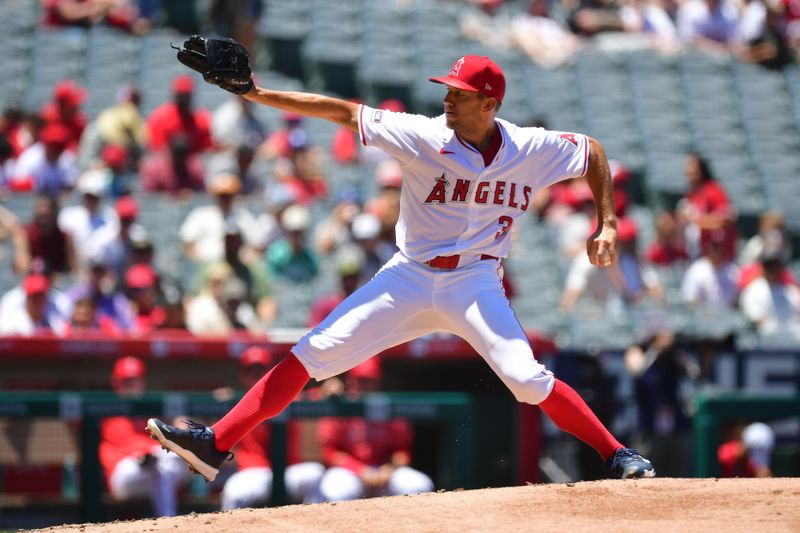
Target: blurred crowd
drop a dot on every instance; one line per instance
(89, 176)
(766, 32)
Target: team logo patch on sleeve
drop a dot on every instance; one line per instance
(569, 137)
(377, 114)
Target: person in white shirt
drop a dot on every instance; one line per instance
(468, 176)
(46, 166)
(34, 308)
(92, 225)
(711, 25)
(771, 303)
(711, 280)
(203, 231)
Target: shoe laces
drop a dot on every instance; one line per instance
(198, 430)
(626, 453)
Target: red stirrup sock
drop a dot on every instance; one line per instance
(264, 400)
(570, 413)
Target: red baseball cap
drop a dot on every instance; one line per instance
(35, 283)
(127, 367)
(476, 73)
(54, 134)
(114, 155)
(626, 229)
(140, 277)
(256, 355)
(183, 83)
(68, 91)
(127, 208)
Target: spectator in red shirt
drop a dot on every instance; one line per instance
(667, 249)
(705, 208)
(367, 457)
(749, 453)
(122, 14)
(173, 169)
(65, 110)
(46, 241)
(349, 265)
(134, 465)
(142, 284)
(251, 485)
(179, 117)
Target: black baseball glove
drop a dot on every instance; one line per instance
(221, 60)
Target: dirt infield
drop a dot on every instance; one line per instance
(651, 506)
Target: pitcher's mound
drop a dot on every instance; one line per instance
(643, 506)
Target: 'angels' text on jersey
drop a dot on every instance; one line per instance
(485, 192)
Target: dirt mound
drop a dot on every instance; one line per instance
(652, 505)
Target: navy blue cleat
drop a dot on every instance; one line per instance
(195, 445)
(628, 464)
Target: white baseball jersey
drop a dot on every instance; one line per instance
(451, 203)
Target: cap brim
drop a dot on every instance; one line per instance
(454, 82)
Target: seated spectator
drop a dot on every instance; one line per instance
(546, 41)
(115, 158)
(771, 303)
(771, 239)
(667, 249)
(705, 209)
(7, 162)
(366, 231)
(12, 229)
(98, 286)
(134, 466)
(710, 25)
(574, 227)
(233, 301)
(13, 130)
(367, 458)
(92, 225)
(85, 319)
(240, 160)
(487, 23)
(46, 166)
(251, 485)
(291, 258)
(761, 36)
(65, 111)
(349, 266)
(122, 125)
(649, 18)
(141, 282)
(278, 143)
(173, 169)
(234, 124)
(711, 280)
(117, 254)
(299, 175)
(334, 231)
(174, 305)
(628, 281)
(203, 231)
(206, 313)
(749, 453)
(122, 14)
(33, 308)
(179, 117)
(250, 270)
(596, 16)
(386, 205)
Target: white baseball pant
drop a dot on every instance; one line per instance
(159, 481)
(252, 487)
(407, 300)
